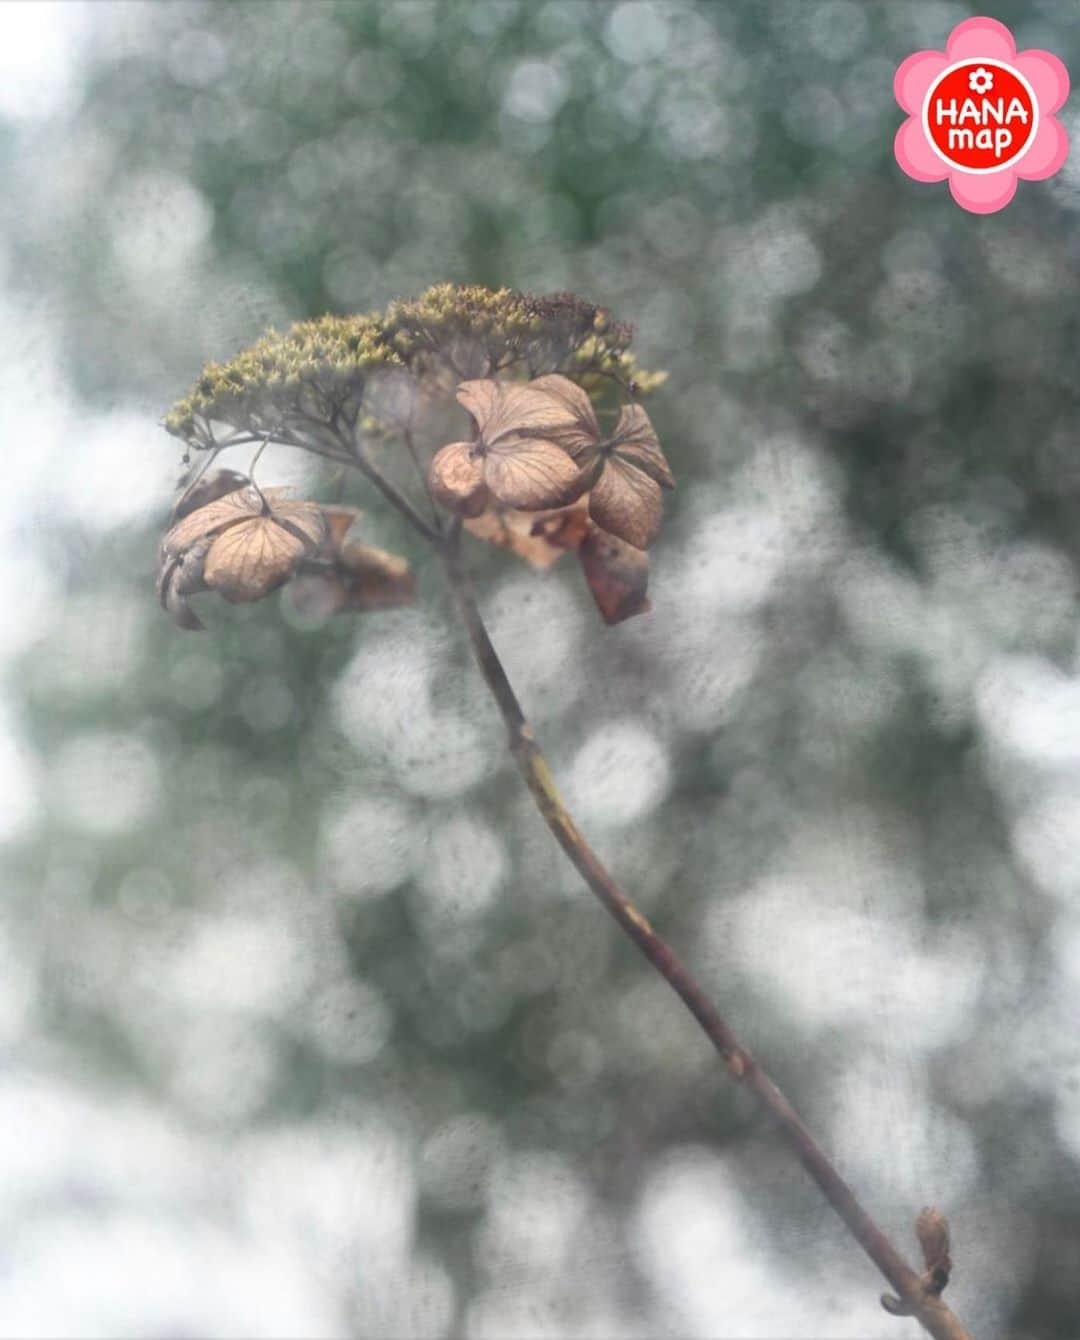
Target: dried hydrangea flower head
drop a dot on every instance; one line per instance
(514, 419)
(390, 394)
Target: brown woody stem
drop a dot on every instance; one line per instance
(916, 1298)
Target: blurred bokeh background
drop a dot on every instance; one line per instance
(307, 1029)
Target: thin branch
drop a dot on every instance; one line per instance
(389, 492)
(421, 473)
(916, 1298)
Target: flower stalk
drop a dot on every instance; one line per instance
(916, 1292)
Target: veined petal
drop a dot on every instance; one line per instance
(305, 521)
(249, 560)
(626, 502)
(456, 479)
(237, 505)
(533, 475)
(637, 443)
(506, 409)
(208, 488)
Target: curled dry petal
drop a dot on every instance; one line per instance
(456, 479)
(180, 608)
(617, 574)
(180, 576)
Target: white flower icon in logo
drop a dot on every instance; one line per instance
(980, 81)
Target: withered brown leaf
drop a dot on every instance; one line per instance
(617, 574)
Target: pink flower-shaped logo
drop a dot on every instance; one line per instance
(981, 114)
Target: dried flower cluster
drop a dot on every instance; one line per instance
(243, 542)
(539, 475)
(318, 371)
(538, 446)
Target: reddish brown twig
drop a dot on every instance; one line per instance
(918, 1295)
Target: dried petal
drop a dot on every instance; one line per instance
(339, 521)
(180, 609)
(374, 579)
(456, 479)
(235, 506)
(506, 409)
(180, 576)
(250, 559)
(540, 538)
(564, 528)
(626, 502)
(508, 529)
(635, 442)
(533, 474)
(305, 520)
(585, 431)
(188, 575)
(617, 574)
(361, 577)
(208, 488)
